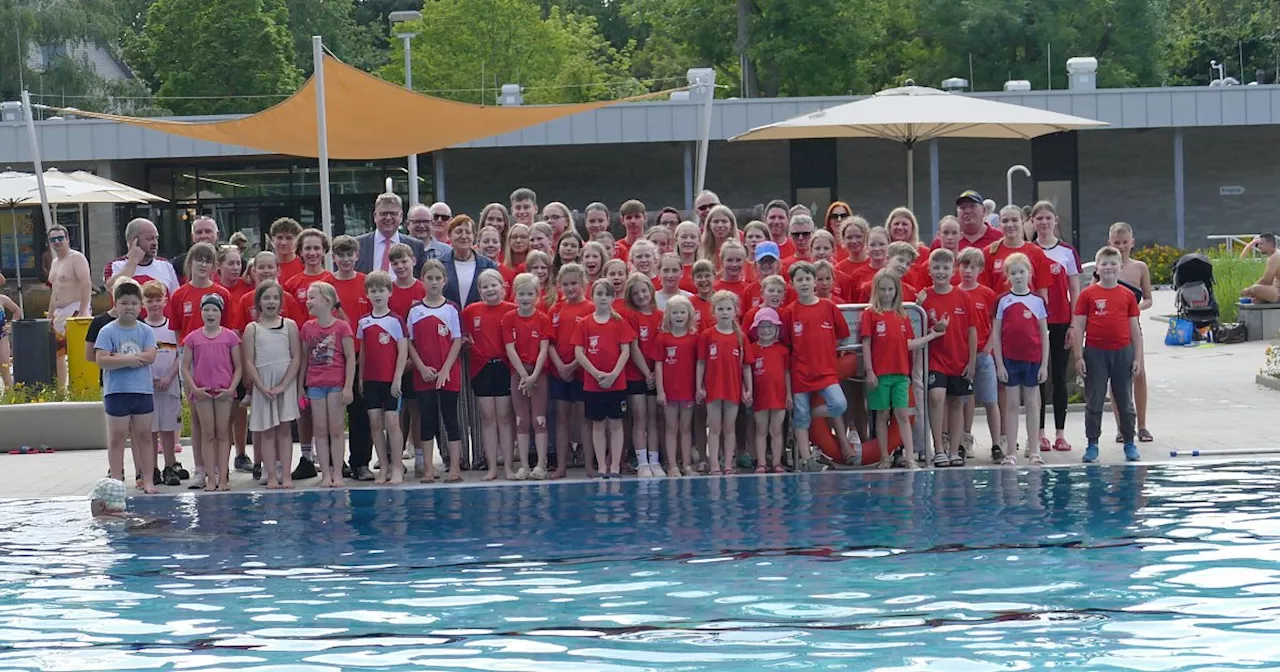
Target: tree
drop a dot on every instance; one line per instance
(478, 45)
(1227, 31)
(238, 53)
(334, 20)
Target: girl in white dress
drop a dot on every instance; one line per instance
(273, 354)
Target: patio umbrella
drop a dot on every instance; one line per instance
(18, 190)
(910, 114)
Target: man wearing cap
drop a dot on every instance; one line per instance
(974, 231)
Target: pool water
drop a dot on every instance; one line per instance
(1105, 568)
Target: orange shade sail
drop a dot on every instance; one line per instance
(367, 117)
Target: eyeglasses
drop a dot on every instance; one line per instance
(441, 217)
(801, 234)
(554, 216)
(706, 206)
(420, 221)
(839, 215)
(57, 239)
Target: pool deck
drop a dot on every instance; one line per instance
(1201, 398)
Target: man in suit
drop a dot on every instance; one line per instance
(375, 246)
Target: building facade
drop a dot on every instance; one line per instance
(1179, 164)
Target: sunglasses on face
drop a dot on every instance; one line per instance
(801, 234)
(57, 239)
(441, 218)
(838, 215)
(706, 206)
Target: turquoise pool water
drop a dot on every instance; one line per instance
(1125, 568)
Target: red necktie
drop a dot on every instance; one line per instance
(386, 254)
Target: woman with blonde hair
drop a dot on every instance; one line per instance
(721, 227)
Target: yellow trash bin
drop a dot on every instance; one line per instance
(83, 375)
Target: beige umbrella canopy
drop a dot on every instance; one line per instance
(910, 114)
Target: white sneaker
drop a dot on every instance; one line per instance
(644, 471)
(197, 479)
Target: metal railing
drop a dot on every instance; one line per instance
(919, 366)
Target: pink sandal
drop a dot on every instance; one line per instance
(1061, 445)
(779, 469)
(762, 470)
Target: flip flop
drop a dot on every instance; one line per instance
(1145, 437)
(779, 469)
(453, 479)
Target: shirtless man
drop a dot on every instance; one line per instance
(1267, 289)
(1135, 275)
(71, 290)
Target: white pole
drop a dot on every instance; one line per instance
(322, 131)
(1008, 179)
(705, 77)
(406, 38)
(911, 176)
(44, 193)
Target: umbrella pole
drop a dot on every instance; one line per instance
(911, 176)
(44, 193)
(17, 263)
(322, 129)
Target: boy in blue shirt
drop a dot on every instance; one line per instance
(124, 351)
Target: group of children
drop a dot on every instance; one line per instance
(691, 335)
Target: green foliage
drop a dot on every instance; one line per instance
(334, 20)
(1221, 30)
(40, 394)
(1159, 259)
(1271, 361)
(228, 49)
(1230, 275)
(469, 48)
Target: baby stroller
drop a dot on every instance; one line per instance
(1193, 280)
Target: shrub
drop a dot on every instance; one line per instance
(1271, 364)
(1160, 259)
(1230, 275)
(40, 394)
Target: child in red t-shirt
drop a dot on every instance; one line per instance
(1106, 318)
(733, 278)
(1015, 242)
(353, 304)
(1021, 345)
(676, 376)
(312, 245)
(951, 360)
(565, 375)
(669, 274)
(406, 292)
(704, 286)
(724, 380)
(526, 333)
(642, 395)
(384, 352)
(490, 377)
(887, 339)
(815, 327)
(435, 332)
(328, 372)
(602, 347)
(771, 386)
(985, 385)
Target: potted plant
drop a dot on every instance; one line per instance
(46, 416)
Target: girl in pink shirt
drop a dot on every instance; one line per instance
(211, 361)
(328, 371)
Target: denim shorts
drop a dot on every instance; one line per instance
(321, 392)
(985, 382)
(801, 412)
(1022, 374)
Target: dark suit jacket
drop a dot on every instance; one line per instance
(367, 264)
(451, 287)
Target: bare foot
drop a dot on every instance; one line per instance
(492, 476)
(224, 488)
(556, 475)
(148, 489)
(286, 485)
(397, 477)
(273, 486)
(335, 484)
(210, 488)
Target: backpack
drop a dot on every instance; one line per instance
(1194, 296)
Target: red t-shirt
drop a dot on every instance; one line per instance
(739, 289)
(787, 248)
(768, 376)
(724, 358)
(679, 365)
(1020, 317)
(482, 323)
(646, 329)
(238, 289)
(433, 331)
(1107, 313)
(183, 309)
(298, 285)
(843, 288)
(984, 311)
(989, 235)
(564, 322)
(995, 278)
(856, 269)
(754, 297)
(702, 316)
(508, 276)
(326, 358)
(403, 299)
(355, 303)
(949, 354)
(527, 334)
(686, 280)
(381, 337)
(889, 332)
(1062, 266)
(602, 344)
(813, 331)
(246, 311)
(288, 269)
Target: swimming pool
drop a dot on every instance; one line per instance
(1105, 568)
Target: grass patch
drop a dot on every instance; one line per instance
(40, 394)
(1231, 275)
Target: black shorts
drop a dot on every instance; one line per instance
(638, 387)
(600, 406)
(562, 390)
(956, 386)
(378, 397)
(125, 404)
(406, 384)
(492, 380)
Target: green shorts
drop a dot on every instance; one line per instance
(891, 393)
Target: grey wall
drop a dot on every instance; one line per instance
(1127, 176)
(1233, 156)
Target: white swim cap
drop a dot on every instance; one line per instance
(110, 492)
